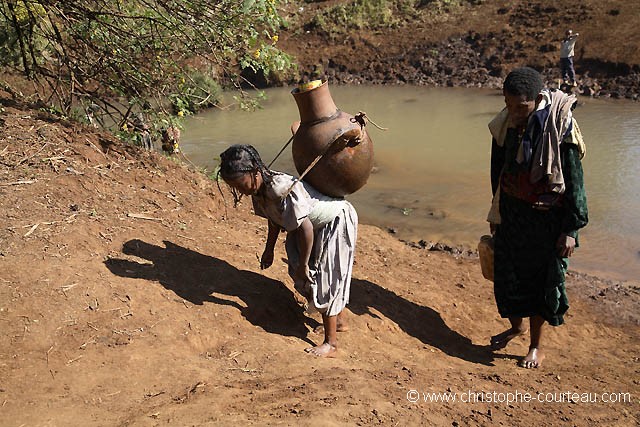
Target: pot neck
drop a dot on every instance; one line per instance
(315, 105)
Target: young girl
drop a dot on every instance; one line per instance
(321, 234)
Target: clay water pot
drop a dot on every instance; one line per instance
(343, 142)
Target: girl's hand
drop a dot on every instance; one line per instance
(302, 273)
(267, 259)
(565, 245)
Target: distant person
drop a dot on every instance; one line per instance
(567, 46)
(90, 115)
(321, 235)
(171, 140)
(143, 135)
(539, 206)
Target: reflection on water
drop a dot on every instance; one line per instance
(431, 179)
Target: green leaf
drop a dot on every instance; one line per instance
(247, 5)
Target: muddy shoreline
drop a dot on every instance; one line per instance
(470, 61)
(473, 44)
(607, 293)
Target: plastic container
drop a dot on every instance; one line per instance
(485, 252)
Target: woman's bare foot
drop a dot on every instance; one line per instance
(533, 359)
(501, 340)
(323, 350)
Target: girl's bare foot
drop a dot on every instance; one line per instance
(340, 327)
(323, 350)
(341, 324)
(502, 339)
(533, 359)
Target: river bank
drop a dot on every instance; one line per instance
(131, 296)
(473, 44)
(431, 175)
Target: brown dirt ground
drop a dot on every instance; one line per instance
(128, 297)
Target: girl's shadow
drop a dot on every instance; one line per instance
(270, 305)
(199, 278)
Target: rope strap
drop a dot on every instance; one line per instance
(362, 119)
(281, 150)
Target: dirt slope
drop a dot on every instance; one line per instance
(128, 298)
(475, 44)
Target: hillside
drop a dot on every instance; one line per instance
(466, 43)
(131, 297)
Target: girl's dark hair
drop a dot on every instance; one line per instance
(238, 160)
(524, 81)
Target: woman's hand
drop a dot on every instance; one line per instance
(565, 245)
(267, 259)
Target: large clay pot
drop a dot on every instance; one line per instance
(323, 129)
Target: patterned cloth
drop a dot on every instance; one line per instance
(529, 276)
(335, 224)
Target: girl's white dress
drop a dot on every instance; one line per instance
(335, 225)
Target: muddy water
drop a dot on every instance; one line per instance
(431, 179)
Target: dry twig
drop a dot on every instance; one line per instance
(142, 216)
(24, 159)
(97, 149)
(73, 360)
(92, 340)
(33, 228)
(21, 182)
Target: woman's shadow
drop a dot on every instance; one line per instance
(196, 278)
(419, 321)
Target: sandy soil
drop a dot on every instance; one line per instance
(130, 296)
